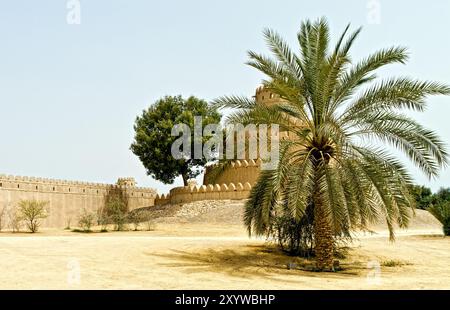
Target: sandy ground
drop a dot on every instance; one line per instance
(212, 256)
(204, 246)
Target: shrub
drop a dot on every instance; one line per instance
(103, 220)
(117, 214)
(294, 237)
(32, 212)
(2, 214)
(68, 224)
(135, 218)
(15, 220)
(116, 206)
(394, 263)
(441, 212)
(86, 220)
(149, 225)
(141, 217)
(148, 221)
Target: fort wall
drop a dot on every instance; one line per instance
(187, 194)
(66, 199)
(239, 171)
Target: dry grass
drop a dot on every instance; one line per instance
(394, 263)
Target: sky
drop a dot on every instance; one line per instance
(70, 92)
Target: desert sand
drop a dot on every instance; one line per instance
(181, 254)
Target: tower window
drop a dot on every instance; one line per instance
(53, 188)
(1, 184)
(36, 187)
(69, 189)
(18, 186)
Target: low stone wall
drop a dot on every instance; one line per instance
(188, 194)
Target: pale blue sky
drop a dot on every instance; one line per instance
(69, 94)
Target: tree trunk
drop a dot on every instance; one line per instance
(323, 234)
(185, 179)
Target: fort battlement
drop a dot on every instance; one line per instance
(238, 171)
(188, 194)
(56, 185)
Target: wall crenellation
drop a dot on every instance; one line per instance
(239, 171)
(186, 194)
(57, 185)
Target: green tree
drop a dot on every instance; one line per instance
(116, 213)
(336, 113)
(153, 140)
(422, 195)
(32, 212)
(443, 194)
(115, 207)
(441, 212)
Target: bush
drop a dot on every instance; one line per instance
(15, 221)
(441, 212)
(294, 237)
(141, 217)
(115, 210)
(2, 214)
(116, 207)
(148, 221)
(136, 218)
(68, 224)
(32, 212)
(394, 263)
(86, 220)
(103, 220)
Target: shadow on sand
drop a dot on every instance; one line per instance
(250, 261)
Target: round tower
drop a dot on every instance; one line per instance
(266, 96)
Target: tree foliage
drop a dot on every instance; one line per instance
(32, 212)
(153, 140)
(422, 195)
(339, 116)
(441, 212)
(115, 207)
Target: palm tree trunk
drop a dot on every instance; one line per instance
(185, 179)
(323, 235)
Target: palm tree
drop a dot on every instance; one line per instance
(339, 118)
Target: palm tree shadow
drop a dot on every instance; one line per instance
(251, 261)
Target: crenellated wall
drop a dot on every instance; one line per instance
(239, 171)
(67, 199)
(188, 194)
(265, 96)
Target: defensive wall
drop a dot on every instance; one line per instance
(238, 171)
(188, 194)
(66, 199)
